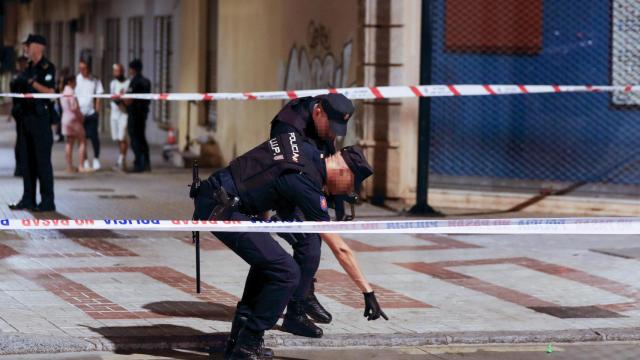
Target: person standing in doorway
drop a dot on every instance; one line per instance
(119, 85)
(138, 110)
(87, 85)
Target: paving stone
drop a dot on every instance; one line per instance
(113, 285)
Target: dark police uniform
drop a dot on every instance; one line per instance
(18, 85)
(38, 139)
(285, 172)
(296, 116)
(137, 113)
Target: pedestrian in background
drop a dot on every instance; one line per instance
(72, 127)
(18, 84)
(119, 85)
(138, 110)
(38, 138)
(88, 85)
(57, 109)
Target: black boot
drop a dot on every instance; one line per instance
(314, 309)
(248, 346)
(236, 326)
(297, 322)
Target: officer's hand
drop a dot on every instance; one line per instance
(372, 310)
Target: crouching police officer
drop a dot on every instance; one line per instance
(320, 119)
(285, 173)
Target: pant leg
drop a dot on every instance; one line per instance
(29, 175)
(306, 253)
(280, 274)
(96, 136)
(144, 146)
(44, 168)
(91, 130)
(19, 140)
(250, 295)
(135, 141)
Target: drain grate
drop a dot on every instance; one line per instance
(118, 197)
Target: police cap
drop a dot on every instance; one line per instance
(357, 162)
(35, 39)
(339, 110)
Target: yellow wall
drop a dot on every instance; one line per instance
(255, 39)
(192, 50)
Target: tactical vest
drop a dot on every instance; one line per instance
(255, 172)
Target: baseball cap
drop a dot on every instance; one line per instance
(357, 162)
(339, 110)
(35, 39)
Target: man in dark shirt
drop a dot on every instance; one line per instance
(36, 130)
(320, 119)
(137, 111)
(19, 85)
(285, 173)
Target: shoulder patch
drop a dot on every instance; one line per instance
(48, 77)
(323, 203)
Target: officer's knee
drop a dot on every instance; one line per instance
(290, 273)
(294, 274)
(311, 262)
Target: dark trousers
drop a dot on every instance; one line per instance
(35, 154)
(136, 126)
(91, 130)
(273, 275)
(272, 278)
(306, 253)
(19, 140)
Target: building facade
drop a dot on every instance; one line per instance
(247, 45)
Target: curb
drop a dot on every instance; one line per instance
(34, 344)
(564, 205)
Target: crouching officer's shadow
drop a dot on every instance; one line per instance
(197, 309)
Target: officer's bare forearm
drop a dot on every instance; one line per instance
(97, 105)
(41, 88)
(347, 260)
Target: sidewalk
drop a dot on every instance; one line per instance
(87, 291)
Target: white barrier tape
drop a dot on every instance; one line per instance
(374, 92)
(609, 226)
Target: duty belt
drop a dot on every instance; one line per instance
(225, 204)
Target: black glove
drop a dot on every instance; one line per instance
(372, 310)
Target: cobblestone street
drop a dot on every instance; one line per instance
(103, 290)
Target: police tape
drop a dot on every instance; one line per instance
(563, 226)
(363, 93)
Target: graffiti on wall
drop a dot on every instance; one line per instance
(314, 65)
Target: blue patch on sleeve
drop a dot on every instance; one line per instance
(323, 203)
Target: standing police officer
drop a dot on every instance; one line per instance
(284, 173)
(137, 111)
(36, 128)
(320, 119)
